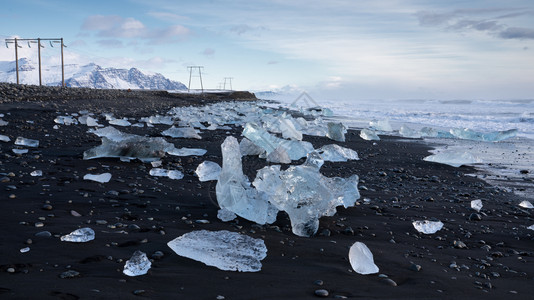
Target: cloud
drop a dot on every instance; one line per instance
(244, 28)
(208, 52)
(272, 62)
(517, 33)
(111, 43)
(167, 16)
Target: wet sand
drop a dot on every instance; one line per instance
(136, 211)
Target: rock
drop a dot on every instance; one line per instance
(415, 267)
(459, 244)
(138, 292)
(43, 234)
(321, 293)
(475, 217)
(69, 274)
(389, 281)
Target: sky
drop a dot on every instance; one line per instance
(338, 49)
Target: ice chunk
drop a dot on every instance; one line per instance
(20, 141)
(361, 259)
(111, 133)
(81, 235)
(476, 204)
(431, 132)
(380, 125)
(4, 138)
(279, 156)
(531, 227)
(120, 122)
(65, 120)
(208, 170)
(336, 153)
(289, 131)
(453, 158)
(233, 189)
(225, 215)
(182, 132)
(143, 148)
(427, 227)
(228, 251)
(336, 131)
(102, 178)
(305, 194)
(249, 148)
(20, 151)
(92, 122)
(468, 134)
(369, 135)
(157, 119)
(263, 139)
(526, 204)
(3, 123)
(137, 265)
(186, 152)
(172, 174)
(36, 173)
(406, 131)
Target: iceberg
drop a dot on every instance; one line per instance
(476, 204)
(225, 250)
(81, 235)
(233, 189)
(137, 265)
(20, 141)
(182, 132)
(427, 227)
(305, 194)
(453, 158)
(102, 178)
(369, 135)
(380, 125)
(4, 138)
(361, 259)
(336, 153)
(406, 131)
(172, 174)
(468, 134)
(336, 131)
(208, 170)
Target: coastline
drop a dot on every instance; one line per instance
(396, 186)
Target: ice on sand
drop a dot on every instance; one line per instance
(361, 259)
(225, 215)
(120, 122)
(20, 151)
(468, 134)
(249, 148)
(3, 123)
(380, 125)
(228, 251)
(4, 138)
(172, 174)
(305, 194)
(233, 189)
(406, 131)
(526, 204)
(427, 227)
(143, 148)
(157, 119)
(336, 131)
(81, 235)
(453, 158)
(186, 151)
(137, 265)
(336, 153)
(182, 132)
(20, 141)
(36, 173)
(102, 178)
(208, 170)
(65, 120)
(369, 135)
(476, 204)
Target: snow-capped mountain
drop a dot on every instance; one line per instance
(91, 75)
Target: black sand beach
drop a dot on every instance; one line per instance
(486, 255)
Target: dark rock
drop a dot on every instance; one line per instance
(69, 274)
(321, 293)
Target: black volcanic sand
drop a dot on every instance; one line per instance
(136, 211)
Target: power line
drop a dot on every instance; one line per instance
(229, 79)
(199, 74)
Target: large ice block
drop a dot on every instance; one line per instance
(361, 259)
(208, 170)
(453, 158)
(137, 265)
(143, 148)
(336, 131)
(336, 153)
(468, 134)
(182, 132)
(81, 235)
(225, 250)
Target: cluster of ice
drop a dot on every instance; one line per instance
(137, 265)
(453, 158)
(81, 235)
(102, 178)
(20, 141)
(336, 153)
(208, 170)
(361, 259)
(182, 132)
(427, 227)
(476, 204)
(226, 250)
(172, 174)
(369, 135)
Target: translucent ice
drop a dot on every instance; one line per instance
(476, 204)
(26, 142)
(336, 131)
(111, 133)
(406, 131)
(361, 259)
(36, 173)
(65, 120)
(137, 265)
(225, 215)
(531, 227)
(233, 189)
(143, 148)
(453, 158)
(20, 151)
(468, 134)
(157, 119)
(81, 235)
(208, 170)
(120, 122)
(427, 227)
(91, 122)
(228, 251)
(526, 204)
(380, 125)
(279, 156)
(289, 131)
(172, 174)
(186, 151)
(249, 148)
(305, 194)
(102, 178)
(4, 138)
(336, 153)
(369, 135)
(3, 123)
(182, 132)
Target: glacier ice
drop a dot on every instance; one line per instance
(4, 138)
(249, 148)
(526, 204)
(182, 132)
(406, 131)
(279, 156)
(20, 141)
(208, 170)
(380, 125)
(225, 250)
(427, 227)
(468, 134)
(476, 204)
(102, 178)
(361, 259)
(453, 158)
(305, 194)
(336, 131)
(171, 174)
(81, 235)
(137, 265)
(336, 153)
(143, 148)
(225, 215)
(289, 130)
(233, 189)
(186, 151)
(369, 135)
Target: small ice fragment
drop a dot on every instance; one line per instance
(92, 122)
(453, 158)
(4, 138)
(157, 119)
(65, 120)
(20, 141)
(225, 215)
(526, 204)
(427, 227)
(380, 125)
(369, 135)
(20, 151)
(406, 131)
(137, 265)
(3, 123)
(531, 227)
(476, 204)
(172, 174)
(156, 164)
(81, 235)
(182, 132)
(361, 259)
(186, 152)
(208, 170)
(336, 153)
(102, 178)
(24, 250)
(120, 122)
(37, 173)
(228, 251)
(336, 131)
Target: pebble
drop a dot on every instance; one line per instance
(39, 224)
(47, 207)
(415, 267)
(318, 282)
(389, 281)
(69, 274)
(475, 217)
(75, 213)
(459, 245)
(138, 292)
(321, 293)
(43, 234)
(158, 255)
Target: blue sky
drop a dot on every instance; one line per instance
(346, 49)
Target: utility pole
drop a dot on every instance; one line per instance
(199, 75)
(230, 82)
